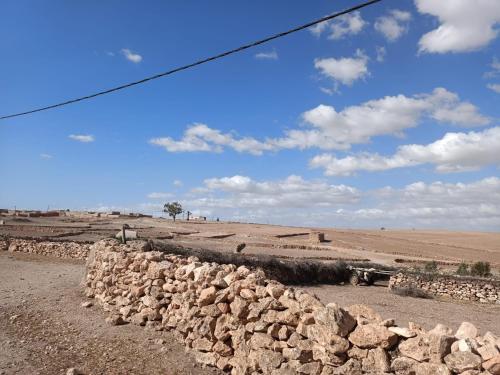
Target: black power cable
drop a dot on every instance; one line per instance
(199, 62)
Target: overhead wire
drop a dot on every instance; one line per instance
(196, 63)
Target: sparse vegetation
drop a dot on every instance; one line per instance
(482, 269)
(173, 209)
(431, 267)
(411, 291)
(286, 271)
(463, 269)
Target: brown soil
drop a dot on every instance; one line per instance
(375, 245)
(44, 329)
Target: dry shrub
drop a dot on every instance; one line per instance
(287, 271)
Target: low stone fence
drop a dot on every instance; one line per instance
(73, 250)
(236, 319)
(455, 287)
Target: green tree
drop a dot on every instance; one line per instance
(173, 209)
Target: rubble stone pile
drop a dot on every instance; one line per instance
(236, 319)
(455, 287)
(57, 249)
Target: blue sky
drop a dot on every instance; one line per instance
(387, 117)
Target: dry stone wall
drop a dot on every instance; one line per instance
(455, 287)
(73, 250)
(236, 319)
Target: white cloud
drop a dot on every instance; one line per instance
(293, 191)
(84, 138)
(455, 152)
(393, 25)
(381, 52)
(338, 28)
(465, 25)
(160, 195)
(272, 55)
(494, 86)
(178, 183)
(131, 56)
(46, 156)
(199, 137)
(344, 70)
(327, 90)
(474, 205)
(327, 129)
(495, 69)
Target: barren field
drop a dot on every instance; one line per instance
(377, 246)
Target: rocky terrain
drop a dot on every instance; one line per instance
(239, 321)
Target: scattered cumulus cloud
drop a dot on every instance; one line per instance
(344, 70)
(495, 69)
(455, 152)
(494, 86)
(199, 137)
(84, 138)
(46, 156)
(328, 129)
(340, 27)
(131, 56)
(327, 91)
(297, 201)
(178, 183)
(464, 25)
(272, 55)
(381, 52)
(157, 195)
(393, 25)
(293, 191)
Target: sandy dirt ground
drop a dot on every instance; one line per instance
(385, 246)
(44, 329)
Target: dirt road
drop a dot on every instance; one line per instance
(44, 330)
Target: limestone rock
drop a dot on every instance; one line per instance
(339, 321)
(351, 367)
(416, 348)
(493, 365)
(115, 320)
(207, 296)
(403, 332)
(266, 360)
(441, 329)
(370, 336)
(431, 369)
(311, 368)
(466, 331)
(365, 312)
(404, 366)
(463, 361)
(488, 351)
(260, 341)
(377, 361)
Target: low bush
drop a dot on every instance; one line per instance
(463, 269)
(431, 266)
(481, 269)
